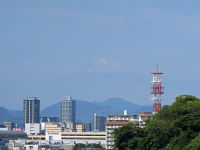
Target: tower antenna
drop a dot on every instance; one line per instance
(157, 90)
(157, 67)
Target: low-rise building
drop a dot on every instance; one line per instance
(9, 125)
(32, 128)
(53, 131)
(83, 127)
(37, 145)
(46, 120)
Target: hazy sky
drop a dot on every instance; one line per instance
(94, 50)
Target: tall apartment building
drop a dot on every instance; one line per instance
(98, 123)
(116, 121)
(31, 110)
(68, 112)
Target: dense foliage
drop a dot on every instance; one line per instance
(173, 127)
(81, 146)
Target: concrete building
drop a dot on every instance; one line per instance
(31, 118)
(116, 121)
(98, 123)
(37, 145)
(53, 131)
(143, 116)
(56, 133)
(9, 125)
(68, 112)
(84, 137)
(80, 128)
(45, 120)
(32, 128)
(83, 127)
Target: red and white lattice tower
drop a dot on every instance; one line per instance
(157, 90)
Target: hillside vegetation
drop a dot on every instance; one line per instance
(175, 127)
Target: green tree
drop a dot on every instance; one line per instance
(173, 127)
(194, 144)
(123, 134)
(81, 146)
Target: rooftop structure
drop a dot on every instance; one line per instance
(49, 119)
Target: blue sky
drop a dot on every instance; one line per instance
(95, 50)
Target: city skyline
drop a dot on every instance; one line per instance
(97, 50)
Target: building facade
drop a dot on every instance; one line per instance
(31, 118)
(53, 131)
(32, 128)
(99, 123)
(68, 112)
(116, 121)
(31, 110)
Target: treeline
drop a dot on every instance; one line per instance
(175, 127)
(81, 146)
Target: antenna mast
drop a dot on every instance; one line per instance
(157, 90)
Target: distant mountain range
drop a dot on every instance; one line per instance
(15, 116)
(84, 110)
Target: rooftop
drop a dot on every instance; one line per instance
(120, 123)
(122, 115)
